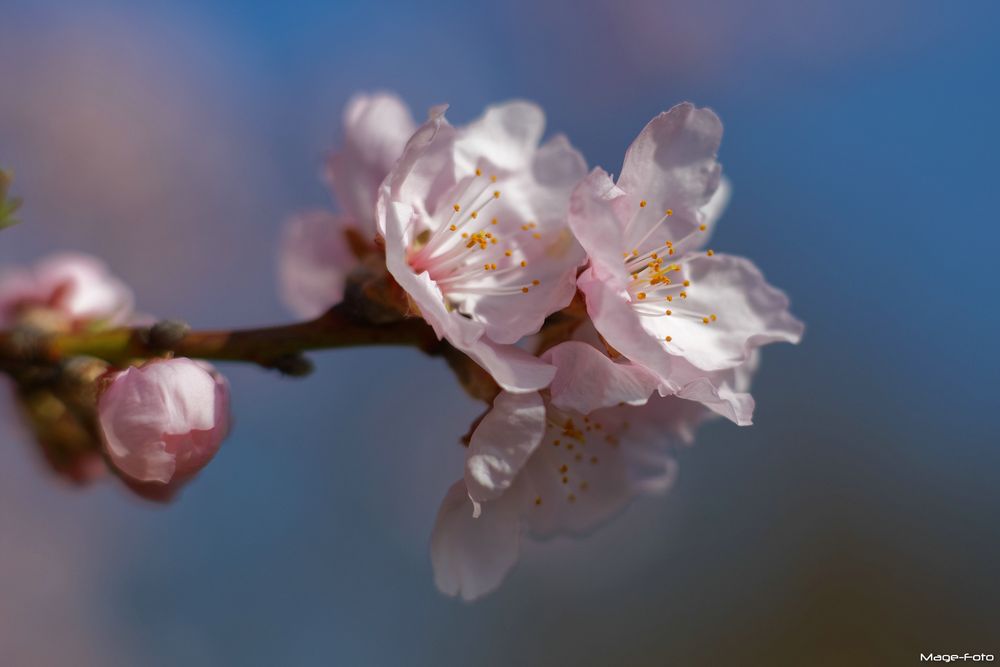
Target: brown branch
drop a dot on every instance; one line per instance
(267, 346)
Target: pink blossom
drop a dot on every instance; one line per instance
(319, 249)
(474, 221)
(376, 129)
(314, 261)
(164, 421)
(680, 312)
(556, 465)
(74, 288)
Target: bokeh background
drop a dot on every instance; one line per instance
(855, 523)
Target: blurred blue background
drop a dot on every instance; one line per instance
(855, 523)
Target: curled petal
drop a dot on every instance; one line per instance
(710, 214)
(716, 390)
(502, 443)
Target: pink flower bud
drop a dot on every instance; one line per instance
(164, 421)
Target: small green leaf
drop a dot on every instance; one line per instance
(8, 206)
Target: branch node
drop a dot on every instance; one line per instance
(293, 365)
(165, 335)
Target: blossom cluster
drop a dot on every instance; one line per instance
(155, 424)
(605, 327)
(491, 232)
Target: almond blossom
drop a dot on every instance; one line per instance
(558, 463)
(162, 422)
(67, 290)
(319, 248)
(474, 221)
(653, 293)
(68, 293)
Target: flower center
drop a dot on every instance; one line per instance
(658, 286)
(470, 253)
(573, 452)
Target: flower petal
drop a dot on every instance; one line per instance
(618, 323)
(587, 379)
(313, 262)
(750, 313)
(509, 318)
(712, 211)
(423, 292)
(513, 369)
(595, 216)
(471, 556)
(506, 135)
(376, 128)
(425, 170)
(502, 443)
(716, 390)
(672, 165)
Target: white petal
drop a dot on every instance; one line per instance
(710, 214)
(513, 369)
(587, 379)
(471, 556)
(751, 313)
(502, 443)
(617, 322)
(506, 135)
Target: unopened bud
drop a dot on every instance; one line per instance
(164, 421)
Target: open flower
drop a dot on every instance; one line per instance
(65, 291)
(557, 464)
(318, 248)
(653, 294)
(474, 221)
(163, 422)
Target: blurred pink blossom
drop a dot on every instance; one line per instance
(319, 249)
(76, 287)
